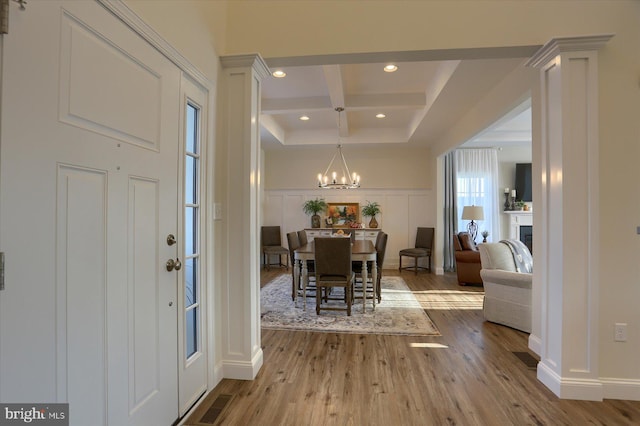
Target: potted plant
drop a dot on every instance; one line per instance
(313, 207)
(371, 209)
(520, 205)
(484, 234)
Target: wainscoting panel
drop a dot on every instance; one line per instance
(402, 212)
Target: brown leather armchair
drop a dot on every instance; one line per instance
(468, 263)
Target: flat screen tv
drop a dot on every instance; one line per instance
(523, 181)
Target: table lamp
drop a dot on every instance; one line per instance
(472, 213)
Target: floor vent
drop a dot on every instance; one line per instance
(527, 359)
(218, 406)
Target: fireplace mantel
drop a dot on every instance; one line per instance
(517, 220)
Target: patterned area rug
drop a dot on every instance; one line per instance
(399, 313)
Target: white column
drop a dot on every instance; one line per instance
(567, 230)
(241, 350)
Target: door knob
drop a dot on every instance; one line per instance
(171, 239)
(174, 264)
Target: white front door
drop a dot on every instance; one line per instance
(89, 151)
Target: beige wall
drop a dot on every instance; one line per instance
(297, 28)
(379, 167)
(197, 29)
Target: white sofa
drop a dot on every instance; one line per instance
(507, 297)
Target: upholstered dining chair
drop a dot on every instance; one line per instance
(272, 246)
(381, 248)
(302, 236)
(333, 269)
(293, 242)
(423, 248)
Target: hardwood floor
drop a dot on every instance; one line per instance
(468, 376)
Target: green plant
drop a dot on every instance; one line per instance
(519, 204)
(371, 209)
(313, 207)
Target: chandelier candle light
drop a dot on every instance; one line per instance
(348, 180)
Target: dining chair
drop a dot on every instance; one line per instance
(333, 269)
(272, 246)
(302, 236)
(423, 248)
(293, 243)
(381, 248)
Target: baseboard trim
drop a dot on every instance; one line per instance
(626, 389)
(243, 370)
(570, 388)
(535, 344)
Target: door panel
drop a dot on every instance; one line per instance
(82, 280)
(88, 185)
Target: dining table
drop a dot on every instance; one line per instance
(361, 251)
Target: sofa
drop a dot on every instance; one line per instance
(507, 275)
(467, 259)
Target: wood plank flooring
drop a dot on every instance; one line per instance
(467, 376)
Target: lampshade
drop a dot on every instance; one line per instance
(472, 213)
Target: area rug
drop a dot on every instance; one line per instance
(399, 313)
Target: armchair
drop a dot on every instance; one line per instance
(467, 259)
(507, 292)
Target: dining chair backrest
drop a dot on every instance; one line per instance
(381, 248)
(271, 236)
(292, 241)
(302, 236)
(332, 257)
(424, 238)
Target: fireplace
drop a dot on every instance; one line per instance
(526, 236)
(521, 227)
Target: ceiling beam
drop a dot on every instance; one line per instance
(386, 101)
(352, 103)
(335, 86)
(504, 52)
(269, 124)
(295, 105)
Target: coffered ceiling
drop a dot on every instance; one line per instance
(420, 101)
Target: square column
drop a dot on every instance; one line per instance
(240, 320)
(567, 263)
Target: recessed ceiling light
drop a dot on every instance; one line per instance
(390, 68)
(279, 73)
(381, 115)
(304, 118)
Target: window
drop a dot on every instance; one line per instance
(477, 185)
(191, 230)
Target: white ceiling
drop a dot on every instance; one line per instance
(421, 100)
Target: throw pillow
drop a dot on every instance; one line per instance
(466, 242)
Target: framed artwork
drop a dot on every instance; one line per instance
(342, 215)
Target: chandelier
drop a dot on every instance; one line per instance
(348, 180)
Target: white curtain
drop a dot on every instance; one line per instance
(477, 184)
